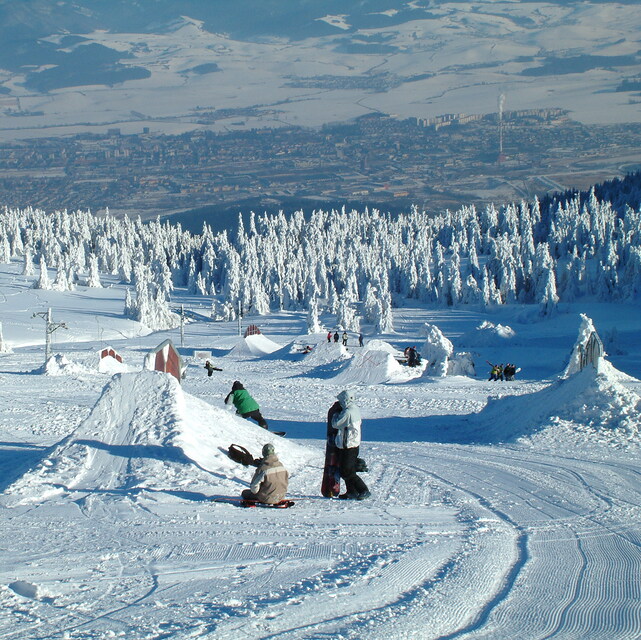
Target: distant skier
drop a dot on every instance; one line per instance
(329, 336)
(345, 338)
(210, 368)
(509, 371)
(270, 481)
(413, 357)
(496, 372)
(348, 439)
(245, 405)
(336, 336)
(360, 339)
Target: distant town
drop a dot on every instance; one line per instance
(376, 160)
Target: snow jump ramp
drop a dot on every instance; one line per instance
(145, 434)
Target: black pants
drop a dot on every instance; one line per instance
(255, 415)
(347, 464)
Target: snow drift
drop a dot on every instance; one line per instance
(144, 433)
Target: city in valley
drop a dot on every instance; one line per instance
(375, 160)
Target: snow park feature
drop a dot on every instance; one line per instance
(497, 510)
(165, 358)
(253, 345)
(145, 435)
(375, 364)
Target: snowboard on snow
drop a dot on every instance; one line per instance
(331, 484)
(242, 502)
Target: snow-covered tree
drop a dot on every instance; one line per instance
(436, 350)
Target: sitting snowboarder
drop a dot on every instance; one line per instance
(270, 481)
(245, 405)
(210, 368)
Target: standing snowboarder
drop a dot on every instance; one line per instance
(360, 339)
(329, 336)
(336, 337)
(245, 405)
(344, 338)
(348, 439)
(269, 484)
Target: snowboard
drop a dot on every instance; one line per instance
(331, 484)
(283, 504)
(282, 434)
(242, 502)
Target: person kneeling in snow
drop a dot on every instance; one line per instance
(245, 405)
(269, 484)
(348, 439)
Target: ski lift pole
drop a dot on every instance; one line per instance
(50, 327)
(182, 325)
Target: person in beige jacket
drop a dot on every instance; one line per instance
(269, 484)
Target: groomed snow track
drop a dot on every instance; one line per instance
(458, 542)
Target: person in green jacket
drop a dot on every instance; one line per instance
(245, 405)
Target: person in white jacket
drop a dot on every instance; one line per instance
(348, 439)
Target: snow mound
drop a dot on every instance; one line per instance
(376, 366)
(60, 365)
(254, 345)
(112, 366)
(487, 334)
(590, 406)
(381, 345)
(145, 434)
(326, 353)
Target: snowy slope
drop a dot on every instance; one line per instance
(498, 510)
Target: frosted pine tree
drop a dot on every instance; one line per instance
(27, 265)
(437, 350)
(549, 299)
(93, 279)
(313, 322)
(43, 281)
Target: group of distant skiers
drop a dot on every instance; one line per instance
(336, 337)
(270, 480)
(502, 372)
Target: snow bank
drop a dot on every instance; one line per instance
(254, 345)
(144, 433)
(487, 334)
(591, 406)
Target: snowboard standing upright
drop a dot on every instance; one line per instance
(331, 485)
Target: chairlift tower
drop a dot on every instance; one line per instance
(50, 327)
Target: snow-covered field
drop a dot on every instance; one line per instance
(453, 58)
(517, 518)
